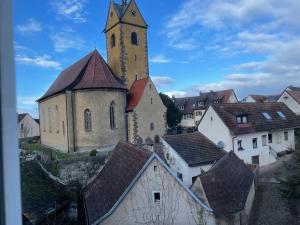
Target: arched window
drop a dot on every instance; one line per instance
(87, 120)
(152, 126)
(112, 115)
(134, 38)
(113, 41)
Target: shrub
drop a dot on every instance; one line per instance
(93, 153)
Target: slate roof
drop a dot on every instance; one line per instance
(265, 98)
(294, 92)
(206, 98)
(136, 92)
(21, 116)
(256, 120)
(227, 185)
(90, 72)
(123, 166)
(194, 148)
(120, 9)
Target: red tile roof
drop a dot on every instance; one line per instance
(90, 72)
(136, 92)
(102, 194)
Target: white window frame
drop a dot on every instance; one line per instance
(264, 140)
(10, 197)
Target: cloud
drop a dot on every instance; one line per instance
(161, 59)
(31, 26)
(65, 40)
(44, 61)
(177, 94)
(162, 81)
(70, 9)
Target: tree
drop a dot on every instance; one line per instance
(173, 113)
(290, 186)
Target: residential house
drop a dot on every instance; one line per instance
(256, 132)
(189, 155)
(291, 97)
(193, 108)
(228, 188)
(261, 98)
(28, 126)
(137, 187)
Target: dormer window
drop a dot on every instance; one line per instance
(181, 107)
(267, 116)
(216, 101)
(242, 119)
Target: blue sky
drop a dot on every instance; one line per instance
(194, 45)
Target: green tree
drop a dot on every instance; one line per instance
(290, 185)
(173, 113)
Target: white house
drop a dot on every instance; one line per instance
(28, 127)
(193, 108)
(291, 97)
(256, 132)
(228, 187)
(261, 98)
(137, 188)
(189, 155)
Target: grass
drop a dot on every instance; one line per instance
(30, 148)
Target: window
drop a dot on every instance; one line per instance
(134, 38)
(113, 41)
(63, 127)
(136, 77)
(242, 119)
(44, 120)
(154, 168)
(152, 126)
(49, 120)
(87, 120)
(286, 136)
(267, 116)
(22, 127)
(57, 119)
(135, 58)
(264, 140)
(278, 139)
(255, 160)
(151, 101)
(181, 107)
(240, 147)
(281, 114)
(111, 14)
(150, 86)
(254, 142)
(270, 138)
(112, 115)
(156, 197)
(133, 13)
(179, 175)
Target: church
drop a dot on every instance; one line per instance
(94, 103)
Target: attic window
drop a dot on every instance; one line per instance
(181, 107)
(242, 119)
(111, 14)
(156, 197)
(281, 114)
(267, 116)
(133, 13)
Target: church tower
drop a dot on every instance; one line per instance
(126, 41)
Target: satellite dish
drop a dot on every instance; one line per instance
(221, 144)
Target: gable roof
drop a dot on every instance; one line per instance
(191, 103)
(294, 92)
(21, 116)
(256, 120)
(227, 185)
(122, 171)
(194, 148)
(265, 98)
(90, 72)
(123, 166)
(136, 92)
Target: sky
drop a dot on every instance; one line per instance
(250, 46)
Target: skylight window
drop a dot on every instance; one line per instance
(281, 114)
(267, 116)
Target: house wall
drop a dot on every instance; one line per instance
(98, 102)
(249, 99)
(265, 155)
(214, 129)
(30, 127)
(177, 207)
(290, 102)
(53, 123)
(232, 98)
(147, 113)
(178, 165)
